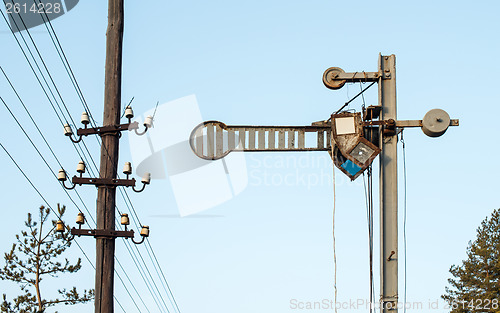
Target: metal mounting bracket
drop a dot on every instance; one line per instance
(336, 78)
(103, 181)
(103, 233)
(103, 130)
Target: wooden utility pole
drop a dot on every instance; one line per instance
(106, 196)
(107, 181)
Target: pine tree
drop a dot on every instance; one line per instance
(34, 256)
(475, 286)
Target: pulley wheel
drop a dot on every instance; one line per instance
(330, 78)
(435, 123)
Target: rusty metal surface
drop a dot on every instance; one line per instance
(213, 140)
(346, 142)
(372, 112)
(103, 233)
(107, 129)
(409, 123)
(330, 78)
(103, 181)
(336, 78)
(351, 144)
(404, 123)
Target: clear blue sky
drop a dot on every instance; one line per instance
(261, 62)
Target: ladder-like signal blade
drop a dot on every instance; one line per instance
(213, 140)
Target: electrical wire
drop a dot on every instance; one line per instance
(43, 63)
(333, 230)
(30, 140)
(80, 94)
(38, 78)
(404, 214)
(153, 281)
(125, 108)
(45, 161)
(156, 107)
(135, 259)
(29, 63)
(163, 275)
(65, 62)
(29, 180)
(43, 137)
(127, 244)
(118, 226)
(50, 77)
(160, 274)
(369, 214)
(137, 223)
(62, 56)
(50, 207)
(360, 93)
(123, 283)
(368, 188)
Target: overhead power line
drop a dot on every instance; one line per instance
(50, 207)
(45, 161)
(67, 66)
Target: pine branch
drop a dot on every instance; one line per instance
(36, 255)
(478, 277)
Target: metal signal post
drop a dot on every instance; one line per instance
(353, 141)
(388, 189)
